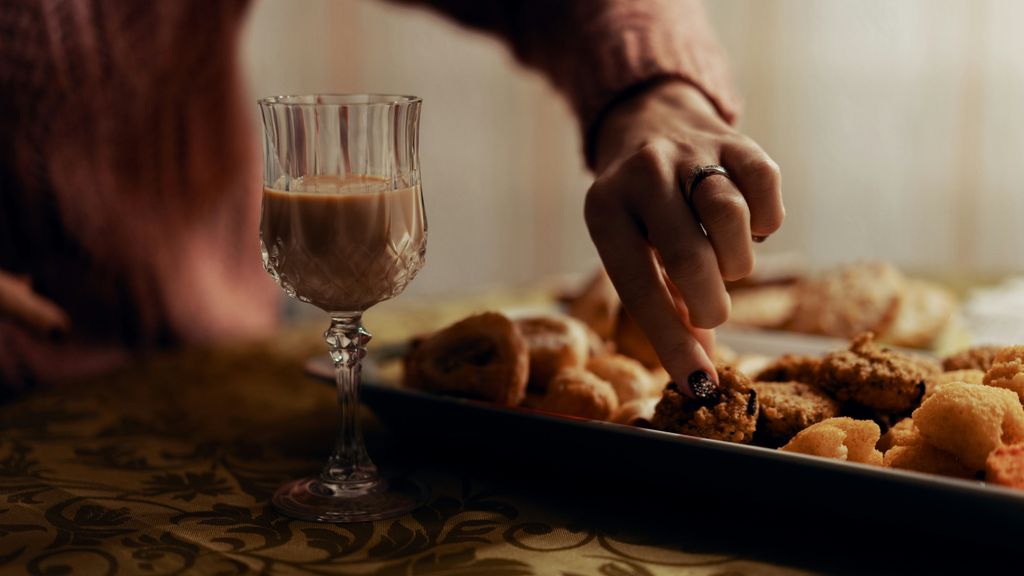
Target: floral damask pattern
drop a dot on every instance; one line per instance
(167, 468)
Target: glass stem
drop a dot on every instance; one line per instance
(347, 341)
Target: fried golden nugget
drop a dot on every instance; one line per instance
(554, 343)
(873, 377)
(789, 407)
(1007, 370)
(483, 356)
(577, 392)
(902, 433)
(970, 421)
(790, 368)
(847, 301)
(628, 377)
(1005, 466)
(923, 457)
(976, 358)
(970, 376)
(638, 412)
(729, 412)
(841, 438)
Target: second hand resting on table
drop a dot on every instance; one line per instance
(668, 272)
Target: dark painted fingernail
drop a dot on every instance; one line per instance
(758, 239)
(703, 387)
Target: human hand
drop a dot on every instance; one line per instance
(651, 241)
(21, 304)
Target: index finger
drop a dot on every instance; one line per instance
(20, 303)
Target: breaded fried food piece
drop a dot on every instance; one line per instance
(1005, 466)
(925, 310)
(970, 421)
(554, 343)
(970, 376)
(848, 300)
(483, 356)
(923, 457)
(1007, 370)
(789, 407)
(902, 433)
(628, 377)
(638, 412)
(577, 392)
(976, 358)
(728, 413)
(791, 368)
(874, 377)
(840, 438)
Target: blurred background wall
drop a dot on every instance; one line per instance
(899, 127)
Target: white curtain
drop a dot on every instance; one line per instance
(899, 126)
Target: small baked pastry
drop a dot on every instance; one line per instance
(596, 305)
(1005, 466)
(873, 377)
(924, 311)
(726, 412)
(483, 356)
(970, 421)
(577, 392)
(790, 368)
(1007, 370)
(789, 407)
(969, 376)
(847, 301)
(554, 343)
(628, 377)
(638, 412)
(840, 438)
(976, 358)
(762, 307)
(631, 341)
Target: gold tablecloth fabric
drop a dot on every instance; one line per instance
(166, 467)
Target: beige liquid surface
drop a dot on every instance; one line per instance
(343, 244)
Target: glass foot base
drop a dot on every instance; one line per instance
(318, 501)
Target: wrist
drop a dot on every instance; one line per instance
(632, 117)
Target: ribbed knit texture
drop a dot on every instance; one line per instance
(129, 185)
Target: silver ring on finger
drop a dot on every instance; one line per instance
(698, 175)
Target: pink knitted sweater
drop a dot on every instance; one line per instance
(129, 170)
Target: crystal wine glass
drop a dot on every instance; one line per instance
(343, 227)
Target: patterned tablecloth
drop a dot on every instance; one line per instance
(166, 467)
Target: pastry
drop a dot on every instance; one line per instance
(970, 421)
(1007, 370)
(924, 311)
(638, 412)
(554, 343)
(873, 377)
(628, 377)
(576, 392)
(977, 358)
(790, 368)
(762, 307)
(850, 300)
(483, 356)
(596, 305)
(789, 407)
(727, 412)
(840, 438)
